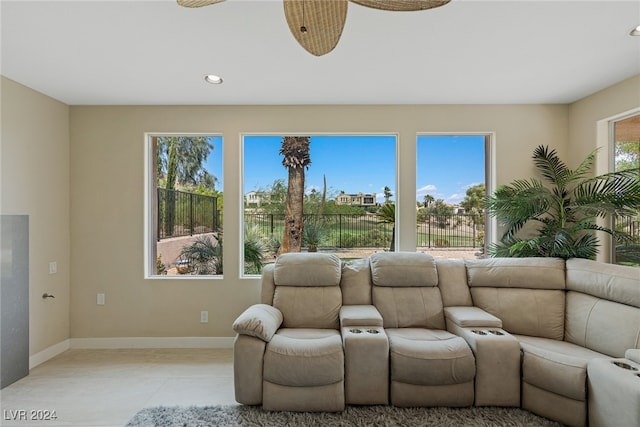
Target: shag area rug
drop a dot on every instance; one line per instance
(353, 416)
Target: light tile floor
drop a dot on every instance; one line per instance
(108, 387)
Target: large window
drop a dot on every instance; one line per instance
(626, 155)
(184, 206)
(450, 194)
(348, 195)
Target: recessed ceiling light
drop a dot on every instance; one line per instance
(635, 31)
(213, 79)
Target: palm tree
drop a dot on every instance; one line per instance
(387, 215)
(295, 152)
(428, 199)
(387, 194)
(170, 208)
(566, 212)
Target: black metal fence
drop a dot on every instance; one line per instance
(628, 225)
(451, 231)
(185, 214)
(628, 252)
(364, 231)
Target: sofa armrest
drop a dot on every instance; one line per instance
(471, 316)
(260, 321)
(360, 315)
(633, 354)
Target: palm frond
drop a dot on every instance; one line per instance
(584, 168)
(550, 166)
(519, 202)
(295, 152)
(607, 193)
(255, 250)
(386, 214)
(204, 255)
(586, 247)
(566, 211)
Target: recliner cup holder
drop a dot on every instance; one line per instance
(360, 331)
(625, 366)
(496, 332)
(479, 332)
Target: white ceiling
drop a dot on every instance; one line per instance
(154, 52)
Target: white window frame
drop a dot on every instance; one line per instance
(149, 209)
(491, 223)
(396, 135)
(611, 164)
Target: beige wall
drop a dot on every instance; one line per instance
(589, 129)
(585, 114)
(35, 182)
(107, 173)
(93, 156)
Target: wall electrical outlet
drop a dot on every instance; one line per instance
(204, 317)
(53, 267)
(100, 299)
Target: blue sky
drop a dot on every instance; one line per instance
(447, 165)
(214, 161)
(351, 163)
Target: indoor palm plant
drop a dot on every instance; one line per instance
(564, 214)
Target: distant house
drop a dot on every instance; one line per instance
(359, 199)
(458, 210)
(254, 199)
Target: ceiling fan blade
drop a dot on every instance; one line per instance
(402, 5)
(316, 24)
(197, 3)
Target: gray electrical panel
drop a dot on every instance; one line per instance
(14, 303)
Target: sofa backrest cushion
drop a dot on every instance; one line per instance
(405, 290)
(534, 312)
(617, 283)
(410, 307)
(527, 294)
(529, 273)
(309, 307)
(452, 281)
(603, 306)
(601, 325)
(307, 269)
(307, 290)
(403, 269)
(356, 282)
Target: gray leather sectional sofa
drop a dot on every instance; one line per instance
(558, 338)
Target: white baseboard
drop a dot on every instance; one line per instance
(49, 353)
(152, 342)
(129, 342)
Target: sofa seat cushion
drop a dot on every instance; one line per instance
(429, 357)
(304, 357)
(556, 366)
